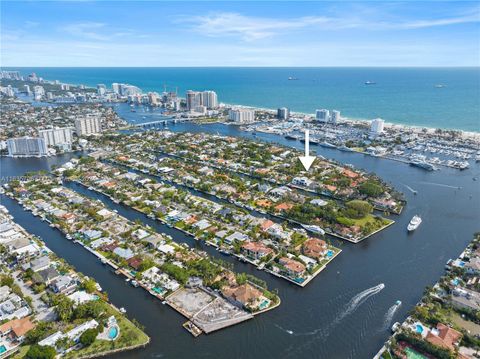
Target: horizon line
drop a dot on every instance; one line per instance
(278, 67)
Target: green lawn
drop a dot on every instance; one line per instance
(130, 335)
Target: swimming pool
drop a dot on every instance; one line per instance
(159, 290)
(329, 253)
(419, 329)
(113, 333)
(3, 349)
(264, 304)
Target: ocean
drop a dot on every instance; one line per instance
(408, 96)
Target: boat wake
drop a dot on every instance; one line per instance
(357, 300)
(323, 333)
(441, 185)
(410, 188)
(389, 315)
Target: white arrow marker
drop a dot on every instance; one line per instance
(307, 160)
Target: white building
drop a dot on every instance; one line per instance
(26, 146)
(335, 116)
(38, 92)
(195, 99)
(88, 125)
(377, 126)
(322, 115)
(56, 136)
(283, 113)
(209, 99)
(101, 89)
(242, 115)
(116, 88)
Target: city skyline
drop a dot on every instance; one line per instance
(240, 34)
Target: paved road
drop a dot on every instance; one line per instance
(42, 311)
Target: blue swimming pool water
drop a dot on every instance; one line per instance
(113, 332)
(3, 349)
(329, 253)
(264, 304)
(419, 329)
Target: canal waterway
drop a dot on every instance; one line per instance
(344, 312)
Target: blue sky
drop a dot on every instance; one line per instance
(107, 33)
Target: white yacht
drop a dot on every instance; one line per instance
(414, 223)
(314, 229)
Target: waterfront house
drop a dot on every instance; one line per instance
(135, 262)
(80, 297)
(302, 181)
(473, 266)
(125, 253)
(283, 207)
(256, 250)
(202, 225)
(46, 276)
(91, 234)
(100, 242)
(444, 337)
(318, 202)
(278, 232)
(38, 264)
(314, 248)
(105, 213)
(266, 224)
(64, 284)
(236, 236)
(292, 267)
(244, 295)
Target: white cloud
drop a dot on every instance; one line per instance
(250, 28)
(86, 30)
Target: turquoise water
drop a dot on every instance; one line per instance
(401, 95)
(113, 332)
(3, 349)
(419, 329)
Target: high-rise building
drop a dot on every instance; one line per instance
(322, 115)
(194, 99)
(26, 147)
(7, 90)
(88, 125)
(101, 89)
(10, 75)
(56, 136)
(153, 98)
(283, 113)
(241, 115)
(26, 89)
(206, 98)
(335, 116)
(377, 126)
(116, 88)
(210, 99)
(38, 92)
